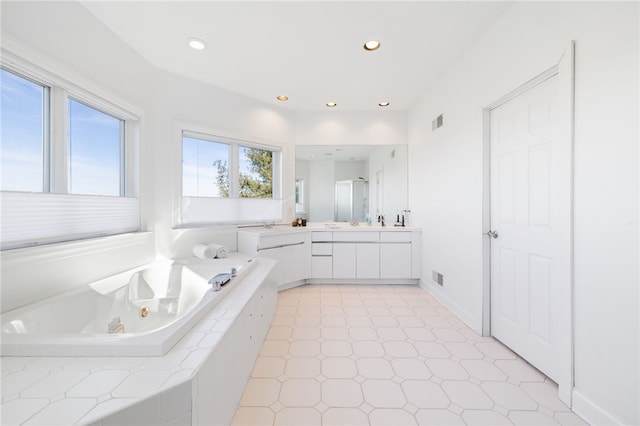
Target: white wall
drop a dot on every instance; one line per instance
(446, 175)
(65, 38)
(385, 127)
(350, 170)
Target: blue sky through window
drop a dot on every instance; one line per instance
(199, 174)
(95, 140)
(22, 134)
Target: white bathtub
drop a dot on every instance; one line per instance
(174, 295)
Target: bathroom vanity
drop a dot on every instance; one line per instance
(337, 253)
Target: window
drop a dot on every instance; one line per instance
(205, 168)
(226, 180)
(256, 173)
(24, 133)
(95, 151)
(68, 158)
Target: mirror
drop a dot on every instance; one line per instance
(341, 183)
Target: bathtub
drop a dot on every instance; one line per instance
(140, 312)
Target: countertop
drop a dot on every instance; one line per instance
(327, 226)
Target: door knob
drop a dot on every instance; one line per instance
(492, 234)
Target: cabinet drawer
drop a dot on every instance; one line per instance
(395, 237)
(268, 241)
(321, 236)
(357, 236)
(321, 249)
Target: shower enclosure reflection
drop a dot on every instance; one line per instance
(352, 200)
(343, 183)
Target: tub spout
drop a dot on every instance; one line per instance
(219, 281)
(115, 326)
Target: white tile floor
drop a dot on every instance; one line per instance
(388, 355)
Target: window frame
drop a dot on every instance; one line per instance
(56, 159)
(271, 207)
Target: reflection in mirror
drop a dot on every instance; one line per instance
(342, 183)
(300, 197)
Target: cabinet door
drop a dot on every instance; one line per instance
(395, 260)
(368, 261)
(294, 261)
(344, 260)
(322, 267)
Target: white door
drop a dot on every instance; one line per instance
(531, 216)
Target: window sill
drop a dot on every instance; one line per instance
(55, 251)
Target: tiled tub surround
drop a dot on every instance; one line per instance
(388, 355)
(199, 381)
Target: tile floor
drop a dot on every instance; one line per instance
(388, 355)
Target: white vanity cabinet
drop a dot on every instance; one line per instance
(321, 254)
(356, 255)
(340, 256)
(395, 255)
(382, 255)
(291, 248)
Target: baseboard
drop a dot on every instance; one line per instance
(462, 314)
(293, 284)
(591, 412)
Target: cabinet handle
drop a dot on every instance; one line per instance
(280, 246)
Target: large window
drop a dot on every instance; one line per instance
(96, 141)
(24, 133)
(205, 171)
(215, 169)
(68, 165)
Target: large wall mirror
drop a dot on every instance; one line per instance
(342, 183)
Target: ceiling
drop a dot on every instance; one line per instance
(310, 51)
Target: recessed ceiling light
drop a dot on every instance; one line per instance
(372, 45)
(383, 104)
(282, 98)
(331, 104)
(196, 43)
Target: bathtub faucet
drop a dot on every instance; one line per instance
(115, 326)
(219, 281)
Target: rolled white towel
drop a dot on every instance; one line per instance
(222, 251)
(204, 251)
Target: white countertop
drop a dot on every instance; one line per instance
(327, 226)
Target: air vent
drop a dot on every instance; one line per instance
(437, 122)
(438, 278)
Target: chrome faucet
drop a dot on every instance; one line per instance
(219, 280)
